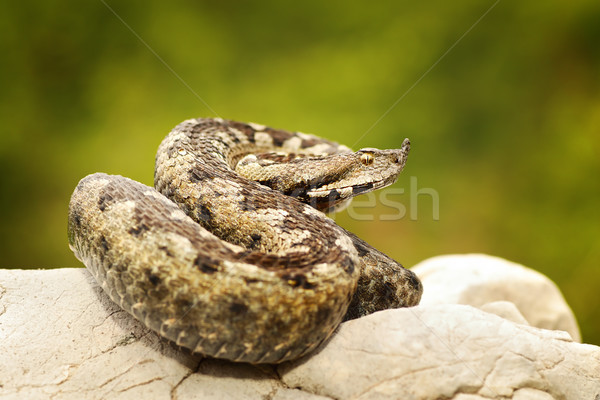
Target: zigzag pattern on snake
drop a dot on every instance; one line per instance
(228, 255)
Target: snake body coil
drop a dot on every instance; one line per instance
(229, 256)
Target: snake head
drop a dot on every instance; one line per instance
(325, 181)
(366, 170)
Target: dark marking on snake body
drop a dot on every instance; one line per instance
(104, 201)
(205, 265)
(198, 175)
(256, 239)
(298, 280)
(238, 308)
(203, 213)
(362, 188)
(104, 243)
(153, 279)
(279, 137)
(138, 230)
(77, 219)
(167, 251)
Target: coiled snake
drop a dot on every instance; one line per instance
(229, 256)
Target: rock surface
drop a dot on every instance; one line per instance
(440, 351)
(477, 279)
(62, 338)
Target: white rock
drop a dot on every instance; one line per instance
(295, 394)
(506, 310)
(531, 394)
(447, 351)
(62, 338)
(477, 279)
(521, 394)
(216, 379)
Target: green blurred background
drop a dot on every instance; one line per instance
(505, 127)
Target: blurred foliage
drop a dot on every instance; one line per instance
(505, 123)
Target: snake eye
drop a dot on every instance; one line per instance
(366, 158)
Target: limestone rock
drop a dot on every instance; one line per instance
(447, 351)
(62, 338)
(506, 310)
(477, 279)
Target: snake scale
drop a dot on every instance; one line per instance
(230, 255)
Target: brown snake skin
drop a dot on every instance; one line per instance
(229, 256)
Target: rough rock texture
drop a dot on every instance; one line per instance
(62, 338)
(477, 279)
(506, 310)
(441, 351)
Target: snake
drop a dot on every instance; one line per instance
(232, 254)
